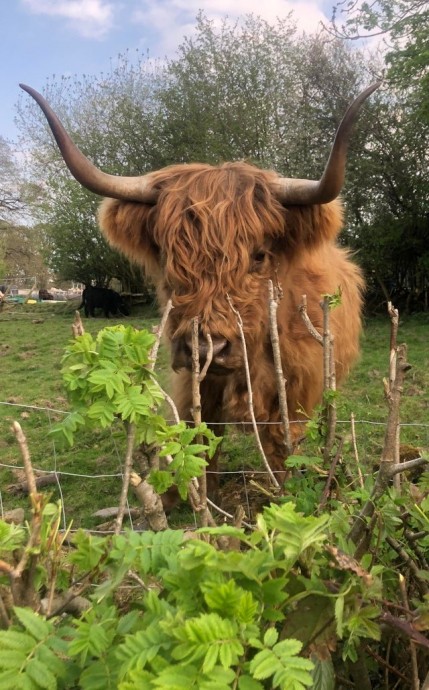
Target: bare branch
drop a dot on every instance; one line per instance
(128, 462)
(159, 331)
(249, 389)
(281, 381)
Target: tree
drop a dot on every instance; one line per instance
(257, 91)
(110, 117)
(405, 26)
(392, 235)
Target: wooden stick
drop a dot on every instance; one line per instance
(196, 412)
(249, 389)
(159, 331)
(281, 381)
(128, 463)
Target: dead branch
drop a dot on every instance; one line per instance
(412, 565)
(331, 475)
(281, 381)
(196, 412)
(304, 315)
(4, 617)
(128, 462)
(41, 481)
(329, 413)
(329, 378)
(77, 325)
(355, 449)
(29, 473)
(414, 666)
(388, 466)
(24, 593)
(250, 394)
(159, 331)
(394, 325)
(209, 358)
(153, 509)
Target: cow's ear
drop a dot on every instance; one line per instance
(126, 226)
(310, 226)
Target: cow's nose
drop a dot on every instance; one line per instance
(220, 346)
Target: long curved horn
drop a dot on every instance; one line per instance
(291, 191)
(127, 188)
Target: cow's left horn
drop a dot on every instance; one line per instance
(291, 191)
(137, 188)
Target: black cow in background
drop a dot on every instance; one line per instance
(108, 300)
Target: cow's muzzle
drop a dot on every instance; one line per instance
(219, 351)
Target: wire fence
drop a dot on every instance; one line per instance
(87, 478)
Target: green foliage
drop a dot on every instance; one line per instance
(202, 618)
(109, 378)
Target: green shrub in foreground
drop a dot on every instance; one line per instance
(264, 615)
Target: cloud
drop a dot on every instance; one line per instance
(173, 19)
(90, 18)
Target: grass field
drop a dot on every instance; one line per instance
(31, 391)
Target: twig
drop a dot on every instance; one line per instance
(281, 381)
(388, 467)
(384, 663)
(394, 324)
(209, 358)
(414, 667)
(303, 311)
(355, 449)
(128, 462)
(159, 331)
(249, 389)
(77, 325)
(413, 566)
(196, 411)
(4, 618)
(331, 474)
(329, 378)
(29, 473)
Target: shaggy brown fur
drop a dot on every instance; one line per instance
(218, 231)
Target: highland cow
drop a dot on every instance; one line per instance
(212, 237)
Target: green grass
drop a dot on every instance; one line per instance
(32, 344)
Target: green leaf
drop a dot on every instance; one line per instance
(176, 678)
(11, 639)
(37, 626)
(249, 683)
(11, 658)
(41, 674)
(271, 636)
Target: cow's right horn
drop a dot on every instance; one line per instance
(137, 188)
(291, 191)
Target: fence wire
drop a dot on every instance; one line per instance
(88, 477)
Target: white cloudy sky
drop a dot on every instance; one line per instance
(39, 38)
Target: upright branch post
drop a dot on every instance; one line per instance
(196, 411)
(394, 325)
(130, 429)
(250, 393)
(329, 381)
(281, 381)
(388, 465)
(329, 378)
(159, 331)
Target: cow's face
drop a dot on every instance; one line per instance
(211, 244)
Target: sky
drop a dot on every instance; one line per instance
(41, 38)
